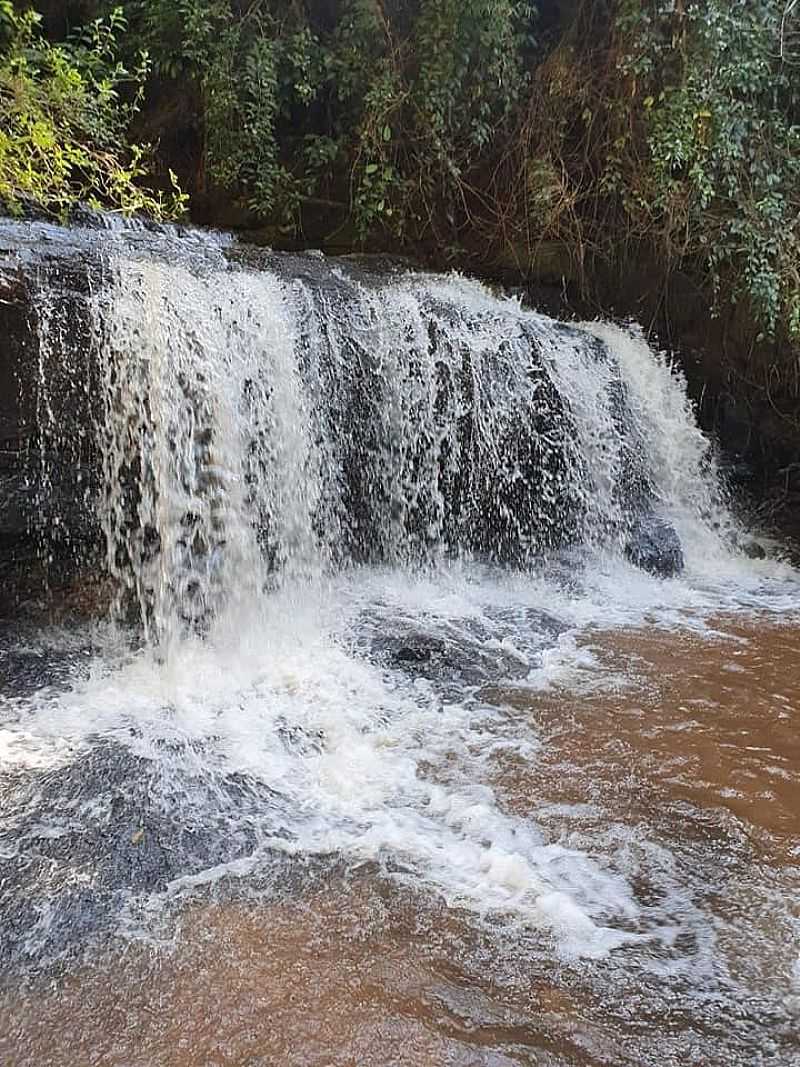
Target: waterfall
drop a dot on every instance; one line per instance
(288, 418)
(340, 501)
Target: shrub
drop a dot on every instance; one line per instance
(64, 115)
(391, 106)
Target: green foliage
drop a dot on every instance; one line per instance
(664, 127)
(64, 114)
(668, 132)
(718, 113)
(391, 104)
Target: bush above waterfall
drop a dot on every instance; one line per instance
(394, 108)
(498, 127)
(64, 114)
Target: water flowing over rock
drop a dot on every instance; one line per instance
(189, 416)
(384, 554)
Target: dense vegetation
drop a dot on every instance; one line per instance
(65, 113)
(599, 133)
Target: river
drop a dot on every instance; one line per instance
(391, 744)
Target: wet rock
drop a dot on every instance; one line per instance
(654, 546)
(48, 398)
(16, 413)
(509, 505)
(419, 650)
(455, 436)
(754, 549)
(451, 653)
(82, 839)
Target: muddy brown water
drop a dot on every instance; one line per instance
(687, 742)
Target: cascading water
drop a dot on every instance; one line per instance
(340, 508)
(255, 425)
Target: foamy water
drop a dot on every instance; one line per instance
(344, 748)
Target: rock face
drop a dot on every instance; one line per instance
(504, 502)
(16, 416)
(48, 468)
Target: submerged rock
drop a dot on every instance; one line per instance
(451, 652)
(654, 546)
(82, 840)
(419, 650)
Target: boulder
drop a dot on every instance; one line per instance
(654, 546)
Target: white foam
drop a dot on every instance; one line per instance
(355, 750)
